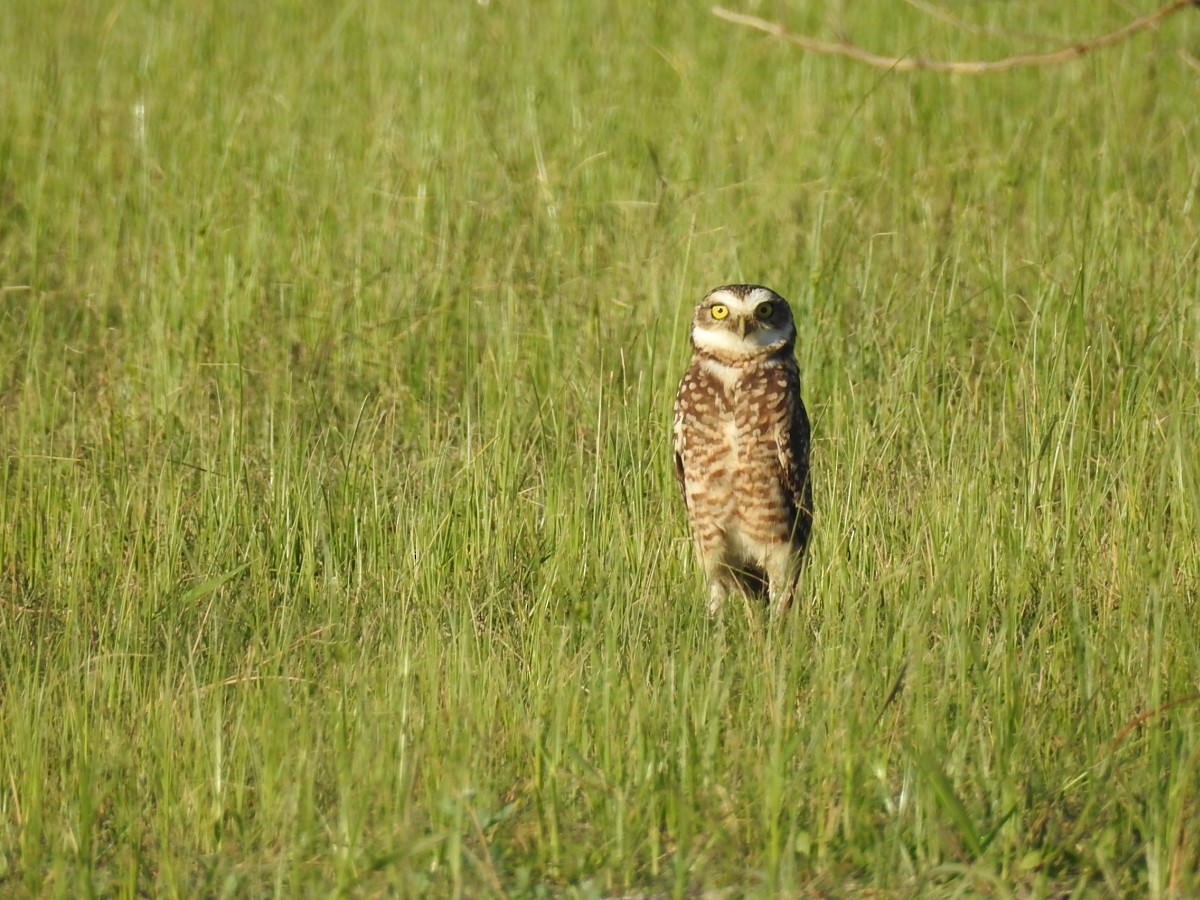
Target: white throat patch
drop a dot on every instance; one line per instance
(729, 343)
(727, 375)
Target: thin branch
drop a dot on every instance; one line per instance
(1150, 714)
(897, 687)
(917, 63)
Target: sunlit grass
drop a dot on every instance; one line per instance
(339, 544)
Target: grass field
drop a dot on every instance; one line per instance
(340, 551)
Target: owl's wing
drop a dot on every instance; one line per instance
(793, 444)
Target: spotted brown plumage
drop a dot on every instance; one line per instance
(741, 446)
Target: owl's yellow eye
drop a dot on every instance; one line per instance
(720, 311)
(764, 310)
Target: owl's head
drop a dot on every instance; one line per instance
(743, 321)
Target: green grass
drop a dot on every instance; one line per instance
(339, 546)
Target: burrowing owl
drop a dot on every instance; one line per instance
(741, 445)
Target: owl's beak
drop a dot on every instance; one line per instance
(742, 323)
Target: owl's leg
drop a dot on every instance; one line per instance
(722, 579)
(783, 574)
(734, 577)
(718, 590)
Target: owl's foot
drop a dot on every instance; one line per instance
(716, 598)
(781, 603)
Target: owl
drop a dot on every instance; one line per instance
(741, 446)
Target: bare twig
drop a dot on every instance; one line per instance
(897, 687)
(979, 67)
(1148, 715)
